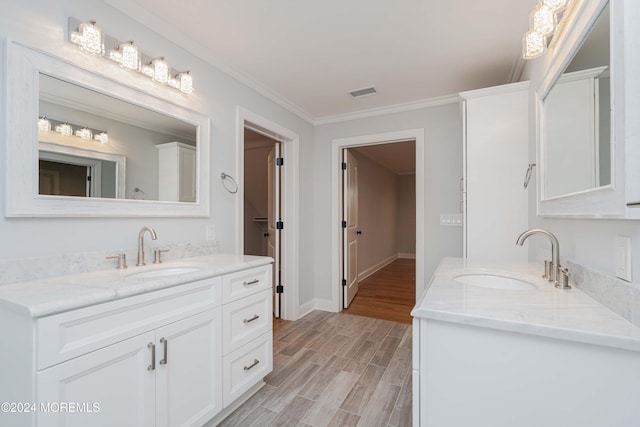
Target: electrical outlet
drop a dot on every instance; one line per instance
(211, 232)
(623, 258)
(451, 220)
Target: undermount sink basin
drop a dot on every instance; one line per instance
(163, 272)
(494, 281)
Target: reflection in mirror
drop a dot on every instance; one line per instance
(133, 158)
(577, 119)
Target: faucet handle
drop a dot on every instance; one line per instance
(122, 260)
(157, 255)
(562, 281)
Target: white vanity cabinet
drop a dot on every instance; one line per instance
(173, 356)
(176, 172)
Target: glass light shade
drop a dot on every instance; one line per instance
(91, 38)
(84, 133)
(130, 56)
(103, 137)
(64, 129)
(160, 71)
(543, 20)
(186, 82)
(556, 5)
(44, 125)
(533, 45)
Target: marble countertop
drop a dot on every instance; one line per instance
(543, 310)
(43, 297)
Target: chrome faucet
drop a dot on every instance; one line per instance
(154, 236)
(555, 272)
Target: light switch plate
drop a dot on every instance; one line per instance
(211, 232)
(451, 220)
(623, 258)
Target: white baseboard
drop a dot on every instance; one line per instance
(379, 266)
(315, 304)
(406, 255)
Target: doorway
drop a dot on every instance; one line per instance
(379, 230)
(281, 219)
(263, 202)
(341, 241)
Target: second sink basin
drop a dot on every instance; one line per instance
(494, 281)
(163, 272)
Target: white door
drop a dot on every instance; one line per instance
(187, 376)
(273, 216)
(350, 232)
(116, 378)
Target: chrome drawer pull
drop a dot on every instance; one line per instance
(163, 341)
(255, 362)
(152, 367)
(255, 317)
(253, 282)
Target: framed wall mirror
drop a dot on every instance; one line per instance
(581, 172)
(81, 144)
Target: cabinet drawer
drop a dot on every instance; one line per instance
(66, 335)
(247, 282)
(246, 319)
(246, 367)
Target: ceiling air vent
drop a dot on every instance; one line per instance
(359, 93)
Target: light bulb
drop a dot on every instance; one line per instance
(186, 82)
(533, 45)
(160, 71)
(130, 56)
(102, 137)
(90, 38)
(44, 125)
(64, 129)
(556, 5)
(543, 20)
(84, 133)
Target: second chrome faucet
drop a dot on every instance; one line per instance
(555, 273)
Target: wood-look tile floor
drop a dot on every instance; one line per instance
(334, 369)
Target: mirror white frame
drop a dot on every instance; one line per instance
(606, 201)
(23, 67)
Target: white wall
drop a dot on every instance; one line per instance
(43, 24)
(377, 212)
(406, 220)
(443, 169)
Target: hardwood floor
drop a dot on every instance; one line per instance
(334, 369)
(388, 294)
(279, 323)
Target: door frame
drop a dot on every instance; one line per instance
(337, 145)
(290, 207)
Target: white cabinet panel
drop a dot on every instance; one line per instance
(247, 282)
(115, 378)
(246, 319)
(188, 374)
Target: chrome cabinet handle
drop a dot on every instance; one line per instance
(255, 362)
(152, 367)
(252, 282)
(164, 341)
(255, 317)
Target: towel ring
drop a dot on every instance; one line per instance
(223, 178)
(527, 176)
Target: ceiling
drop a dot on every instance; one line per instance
(398, 157)
(309, 55)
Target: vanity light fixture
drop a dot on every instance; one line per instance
(84, 133)
(102, 137)
(127, 55)
(44, 125)
(64, 129)
(544, 21)
(91, 39)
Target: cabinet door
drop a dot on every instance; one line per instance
(108, 387)
(188, 375)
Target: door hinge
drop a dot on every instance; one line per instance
(279, 225)
(344, 224)
(344, 282)
(279, 289)
(344, 166)
(280, 161)
(89, 178)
